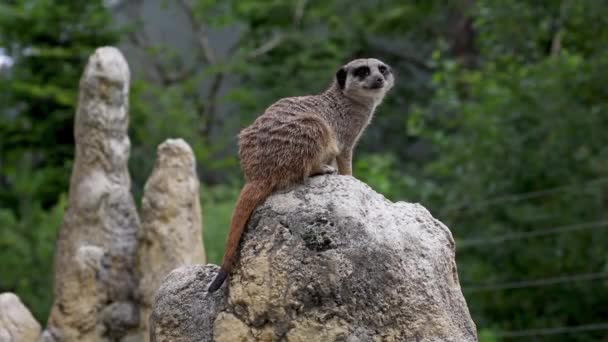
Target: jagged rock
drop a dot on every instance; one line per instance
(171, 221)
(94, 283)
(330, 260)
(16, 322)
(183, 310)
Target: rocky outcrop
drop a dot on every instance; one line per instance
(107, 266)
(16, 322)
(330, 260)
(94, 283)
(171, 222)
(183, 309)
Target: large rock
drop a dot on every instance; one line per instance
(16, 322)
(171, 227)
(94, 284)
(183, 310)
(327, 261)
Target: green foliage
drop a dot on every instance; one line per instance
(217, 202)
(497, 124)
(486, 335)
(522, 148)
(26, 251)
(49, 43)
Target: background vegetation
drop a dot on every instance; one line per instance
(497, 125)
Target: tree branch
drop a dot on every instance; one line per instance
(143, 42)
(200, 31)
(298, 14)
(268, 46)
(278, 37)
(556, 41)
(208, 110)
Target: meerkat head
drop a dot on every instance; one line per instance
(365, 80)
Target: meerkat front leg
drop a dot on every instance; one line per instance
(324, 170)
(345, 163)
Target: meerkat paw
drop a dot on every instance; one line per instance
(324, 170)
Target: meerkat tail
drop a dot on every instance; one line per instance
(252, 194)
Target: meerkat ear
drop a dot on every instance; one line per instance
(341, 77)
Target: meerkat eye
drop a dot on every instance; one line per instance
(361, 72)
(383, 69)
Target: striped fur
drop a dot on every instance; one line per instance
(298, 137)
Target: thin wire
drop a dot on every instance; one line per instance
(531, 234)
(523, 196)
(536, 282)
(552, 331)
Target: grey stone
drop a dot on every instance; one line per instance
(16, 322)
(96, 249)
(183, 309)
(330, 260)
(171, 227)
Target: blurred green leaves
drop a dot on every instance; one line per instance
(496, 124)
(523, 150)
(26, 251)
(49, 42)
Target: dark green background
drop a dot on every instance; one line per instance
(497, 124)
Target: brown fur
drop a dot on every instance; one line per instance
(299, 137)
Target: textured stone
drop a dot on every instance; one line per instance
(94, 283)
(16, 322)
(171, 224)
(183, 310)
(330, 260)
(231, 329)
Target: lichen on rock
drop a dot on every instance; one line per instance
(331, 260)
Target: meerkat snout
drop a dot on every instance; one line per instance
(377, 83)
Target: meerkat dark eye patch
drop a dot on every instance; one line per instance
(384, 70)
(361, 72)
(341, 77)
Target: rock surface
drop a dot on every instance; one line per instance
(94, 284)
(16, 322)
(327, 261)
(171, 224)
(183, 310)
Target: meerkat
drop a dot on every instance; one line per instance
(299, 137)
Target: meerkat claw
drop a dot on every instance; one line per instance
(328, 170)
(325, 170)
